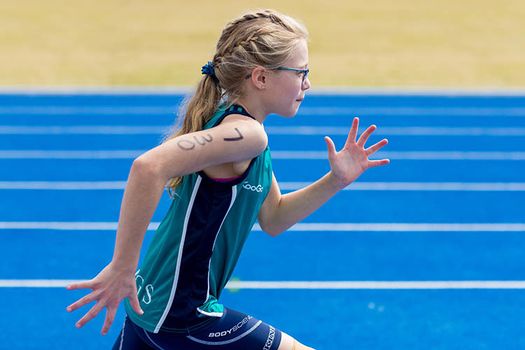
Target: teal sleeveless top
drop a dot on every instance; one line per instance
(196, 246)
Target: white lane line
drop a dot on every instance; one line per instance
(396, 131)
(316, 285)
(272, 130)
(321, 227)
(302, 155)
(376, 285)
(415, 111)
(62, 185)
(304, 111)
(87, 111)
(83, 130)
(64, 225)
(288, 186)
(41, 154)
(419, 186)
(409, 155)
(410, 227)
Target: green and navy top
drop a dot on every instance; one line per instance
(196, 246)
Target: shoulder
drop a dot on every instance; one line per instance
(245, 128)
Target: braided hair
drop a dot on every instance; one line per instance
(260, 38)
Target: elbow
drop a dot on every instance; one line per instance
(274, 233)
(270, 229)
(145, 168)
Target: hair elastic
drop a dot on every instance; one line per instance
(208, 69)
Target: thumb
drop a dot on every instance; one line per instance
(331, 146)
(135, 305)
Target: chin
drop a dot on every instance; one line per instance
(291, 113)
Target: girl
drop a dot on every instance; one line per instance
(219, 173)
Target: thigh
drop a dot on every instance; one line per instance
(238, 331)
(233, 331)
(289, 343)
(130, 338)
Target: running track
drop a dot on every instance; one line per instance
(426, 253)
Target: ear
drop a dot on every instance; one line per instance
(259, 77)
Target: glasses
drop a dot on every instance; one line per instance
(304, 72)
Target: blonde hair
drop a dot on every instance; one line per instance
(260, 38)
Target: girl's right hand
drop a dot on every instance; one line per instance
(109, 287)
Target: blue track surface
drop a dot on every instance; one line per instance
(35, 318)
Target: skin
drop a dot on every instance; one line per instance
(223, 151)
(272, 91)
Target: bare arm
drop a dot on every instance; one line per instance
(235, 139)
(279, 212)
(141, 198)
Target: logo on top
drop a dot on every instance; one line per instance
(252, 188)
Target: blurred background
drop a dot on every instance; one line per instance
(426, 253)
(377, 43)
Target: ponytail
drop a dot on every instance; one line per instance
(264, 38)
(196, 112)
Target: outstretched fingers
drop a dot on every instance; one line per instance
(373, 149)
(82, 301)
(352, 135)
(135, 305)
(365, 135)
(80, 285)
(376, 163)
(331, 147)
(110, 317)
(91, 314)
(376, 147)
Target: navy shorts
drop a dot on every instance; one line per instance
(233, 331)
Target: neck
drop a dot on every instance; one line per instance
(255, 108)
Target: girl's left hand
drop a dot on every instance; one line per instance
(350, 162)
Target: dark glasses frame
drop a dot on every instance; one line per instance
(298, 70)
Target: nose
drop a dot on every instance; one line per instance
(306, 84)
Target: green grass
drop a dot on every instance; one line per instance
(404, 43)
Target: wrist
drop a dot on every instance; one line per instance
(335, 183)
(123, 266)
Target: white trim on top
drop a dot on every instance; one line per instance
(217, 314)
(179, 257)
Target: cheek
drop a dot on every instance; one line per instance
(284, 96)
(293, 89)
